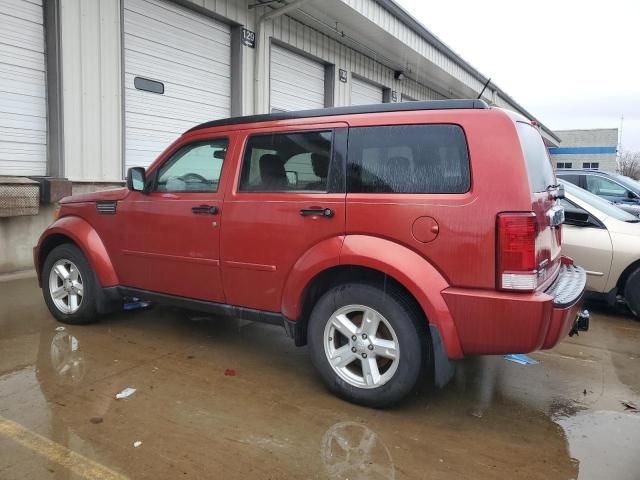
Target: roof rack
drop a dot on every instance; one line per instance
(352, 110)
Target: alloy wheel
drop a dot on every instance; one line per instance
(361, 346)
(66, 286)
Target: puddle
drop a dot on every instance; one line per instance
(606, 443)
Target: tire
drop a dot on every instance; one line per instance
(632, 293)
(353, 378)
(81, 285)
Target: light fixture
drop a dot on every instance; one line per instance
(398, 75)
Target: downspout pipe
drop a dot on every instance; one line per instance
(258, 70)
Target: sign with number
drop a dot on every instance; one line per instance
(342, 75)
(248, 38)
(394, 96)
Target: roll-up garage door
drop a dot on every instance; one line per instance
(297, 82)
(364, 93)
(177, 74)
(23, 89)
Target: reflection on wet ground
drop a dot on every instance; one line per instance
(233, 399)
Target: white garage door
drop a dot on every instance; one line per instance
(364, 93)
(23, 89)
(187, 56)
(297, 82)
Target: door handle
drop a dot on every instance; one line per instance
(317, 212)
(205, 210)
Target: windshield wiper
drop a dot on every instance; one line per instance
(552, 187)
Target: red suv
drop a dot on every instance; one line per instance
(391, 238)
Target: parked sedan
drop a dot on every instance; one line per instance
(605, 240)
(618, 189)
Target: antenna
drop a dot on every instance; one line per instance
(483, 89)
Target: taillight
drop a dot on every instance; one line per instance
(516, 251)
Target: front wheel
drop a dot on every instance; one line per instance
(368, 344)
(69, 285)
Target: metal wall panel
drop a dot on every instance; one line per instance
(297, 82)
(302, 37)
(376, 13)
(364, 93)
(23, 89)
(415, 90)
(91, 78)
(190, 54)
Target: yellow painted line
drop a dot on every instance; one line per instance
(54, 452)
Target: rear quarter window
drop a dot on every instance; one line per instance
(536, 158)
(408, 159)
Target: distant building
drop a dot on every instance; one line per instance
(595, 149)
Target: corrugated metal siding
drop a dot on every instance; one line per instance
(364, 93)
(90, 57)
(390, 23)
(191, 55)
(23, 92)
(297, 82)
(292, 32)
(418, 91)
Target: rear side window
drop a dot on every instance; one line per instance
(408, 159)
(575, 179)
(287, 162)
(536, 158)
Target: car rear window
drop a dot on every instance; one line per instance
(408, 159)
(536, 158)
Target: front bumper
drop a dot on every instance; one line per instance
(491, 322)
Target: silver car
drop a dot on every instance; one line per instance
(618, 189)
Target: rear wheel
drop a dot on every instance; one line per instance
(632, 293)
(69, 286)
(369, 345)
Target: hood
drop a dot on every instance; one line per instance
(626, 228)
(117, 194)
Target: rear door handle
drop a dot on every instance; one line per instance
(317, 212)
(205, 210)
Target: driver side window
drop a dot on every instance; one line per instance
(193, 168)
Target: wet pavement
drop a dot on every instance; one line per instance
(222, 398)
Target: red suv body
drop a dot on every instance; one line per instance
(437, 223)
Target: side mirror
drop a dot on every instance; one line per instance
(632, 195)
(136, 179)
(579, 219)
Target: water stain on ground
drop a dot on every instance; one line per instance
(272, 418)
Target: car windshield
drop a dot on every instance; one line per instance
(628, 182)
(604, 206)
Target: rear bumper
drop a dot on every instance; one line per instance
(490, 322)
(567, 292)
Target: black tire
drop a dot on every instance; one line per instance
(632, 293)
(87, 312)
(410, 329)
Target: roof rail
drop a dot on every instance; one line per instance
(454, 104)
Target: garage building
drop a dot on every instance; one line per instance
(90, 88)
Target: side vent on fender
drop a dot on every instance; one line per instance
(106, 207)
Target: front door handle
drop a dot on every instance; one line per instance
(317, 212)
(205, 210)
